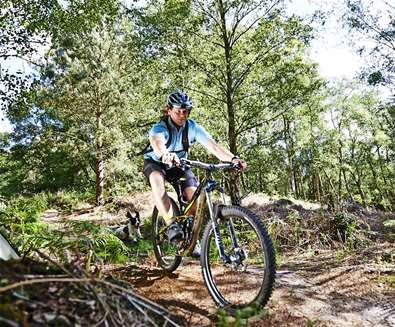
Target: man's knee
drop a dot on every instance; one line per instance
(188, 192)
(156, 179)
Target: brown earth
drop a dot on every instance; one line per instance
(316, 288)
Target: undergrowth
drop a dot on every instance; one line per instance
(290, 226)
(75, 240)
(317, 230)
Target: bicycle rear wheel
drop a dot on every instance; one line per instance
(247, 278)
(165, 252)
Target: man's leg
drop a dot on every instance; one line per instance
(188, 194)
(156, 177)
(159, 194)
(189, 186)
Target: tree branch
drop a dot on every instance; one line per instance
(5, 57)
(255, 21)
(386, 41)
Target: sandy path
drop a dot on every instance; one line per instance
(304, 295)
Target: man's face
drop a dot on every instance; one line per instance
(179, 115)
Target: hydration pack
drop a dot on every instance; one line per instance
(185, 140)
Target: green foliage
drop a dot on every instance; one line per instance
(66, 201)
(103, 83)
(243, 317)
(25, 24)
(21, 210)
(389, 280)
(28, 209)
(296, 228)
(21, 223)
(78, 241)
(348, 230)
(375, 26)
(99, 241)
(140, 250)
(328, 153)
(389, 223)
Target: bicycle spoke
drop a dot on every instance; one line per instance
(166, 253)
(245, 276)
(239, 282)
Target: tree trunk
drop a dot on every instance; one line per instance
(290, 152)
(382, 167)
(234, 186)
(358, 183)
(340, 173)
(347, 186)
(319, 188)
(99, 176)
(332, 192)
(301, 188)
(99, 160)
(374, 174)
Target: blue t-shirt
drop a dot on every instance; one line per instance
(196, 133)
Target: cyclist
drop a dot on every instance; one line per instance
(162, 157)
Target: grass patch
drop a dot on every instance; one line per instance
(242, 317)
(388, 280)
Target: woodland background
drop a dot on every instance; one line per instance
(321, 155)
(80, 119)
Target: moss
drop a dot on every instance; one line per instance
(388, 280)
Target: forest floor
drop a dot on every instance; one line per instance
(312, 288)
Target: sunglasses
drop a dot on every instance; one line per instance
(182, 109)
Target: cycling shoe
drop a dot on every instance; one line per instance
(196, 251)
(174, 232)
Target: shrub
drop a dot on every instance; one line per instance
(66, 201)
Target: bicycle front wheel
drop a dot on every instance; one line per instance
(245, 277)
(165, 252)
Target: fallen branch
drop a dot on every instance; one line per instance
(44, 280)
(113, 305)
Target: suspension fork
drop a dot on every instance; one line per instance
(213, 212)
(229, 223)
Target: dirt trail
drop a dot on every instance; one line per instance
(307, 293)
(314, 289)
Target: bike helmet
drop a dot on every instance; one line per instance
(179, 99)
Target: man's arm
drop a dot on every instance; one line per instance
(223, 154)
(158, 144)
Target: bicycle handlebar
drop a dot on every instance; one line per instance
(209, 166)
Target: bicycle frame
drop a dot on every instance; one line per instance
(202, 197)
(237, 255)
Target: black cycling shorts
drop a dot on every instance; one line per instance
(175, 173)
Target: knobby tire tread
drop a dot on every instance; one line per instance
(177, 260)
(268, 284)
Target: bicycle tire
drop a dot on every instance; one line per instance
(231, 289)
(165, 252)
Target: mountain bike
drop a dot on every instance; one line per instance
(237, 255)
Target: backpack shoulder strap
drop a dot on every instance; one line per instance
(148, 147)
(185, 138)
(166, 120)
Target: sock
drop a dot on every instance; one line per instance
(168, 219)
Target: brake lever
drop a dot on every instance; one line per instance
(182, 165)
(236, 166)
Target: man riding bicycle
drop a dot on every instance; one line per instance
(169, 141)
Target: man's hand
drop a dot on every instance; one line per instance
(170, 159)
(240, 162)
